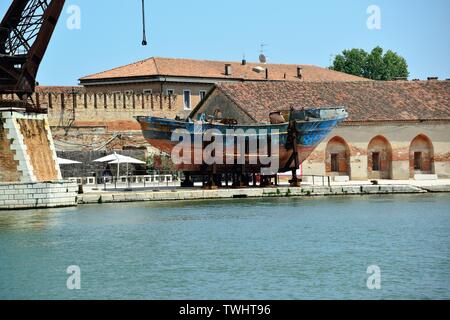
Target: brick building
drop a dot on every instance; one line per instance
(160, 87)
(180, 84)
(396, 130)
(99, 113)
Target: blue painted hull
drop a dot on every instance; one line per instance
(308, 135)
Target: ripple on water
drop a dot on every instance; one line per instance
(316, 248)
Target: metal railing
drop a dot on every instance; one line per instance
(161, 179)
(318, 180)
(109, 182)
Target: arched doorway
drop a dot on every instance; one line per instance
(337, 157)
(421, 156)
(379, 154)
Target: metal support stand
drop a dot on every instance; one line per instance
(187, 183)
(294, 182)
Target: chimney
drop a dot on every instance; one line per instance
(267, 73)
(299, 72)
(432, 78)
(228, 69)
(244, 62)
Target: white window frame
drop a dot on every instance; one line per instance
(184, 100)
(200, 94)
(147, 91)
(167, 92)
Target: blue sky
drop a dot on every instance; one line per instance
(296, 31)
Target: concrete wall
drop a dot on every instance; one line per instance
(399, 135)
(37, 195)
(27, 147)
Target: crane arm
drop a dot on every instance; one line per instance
(25, 33)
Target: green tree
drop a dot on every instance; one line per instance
(375, 65)
(375, 68)
(351, 61)
(395, 65)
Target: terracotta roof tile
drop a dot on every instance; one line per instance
(216, 69)
(365, 101)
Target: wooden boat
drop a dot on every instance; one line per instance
(298, 133)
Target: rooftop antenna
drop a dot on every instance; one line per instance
(262, 56)
(144, 40)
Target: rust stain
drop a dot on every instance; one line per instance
(38, 149)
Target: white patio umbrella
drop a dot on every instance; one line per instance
(127, 160)
(66, 161)
(112, 157)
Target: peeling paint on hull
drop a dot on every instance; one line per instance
(158, 132)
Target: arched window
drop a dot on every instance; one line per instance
(379, 156)
(337, 157)
(421, 156)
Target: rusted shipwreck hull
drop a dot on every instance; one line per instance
(297, 136)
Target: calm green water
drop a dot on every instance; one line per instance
(246, 249)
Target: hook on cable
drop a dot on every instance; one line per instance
(144, 40)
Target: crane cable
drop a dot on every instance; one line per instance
(144, 41)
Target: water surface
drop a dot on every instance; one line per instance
(315, 248)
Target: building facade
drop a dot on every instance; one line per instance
(395, 130)
(100, 112)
